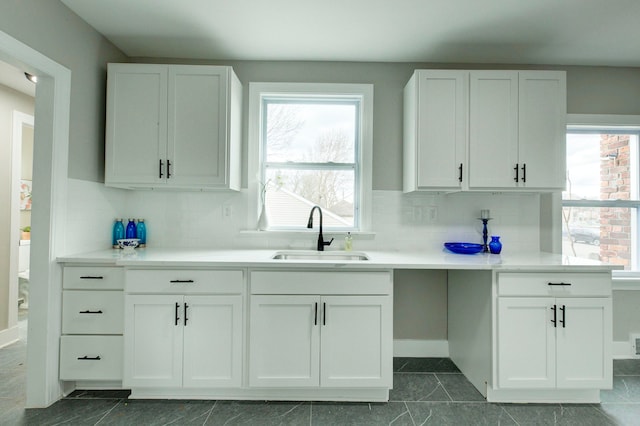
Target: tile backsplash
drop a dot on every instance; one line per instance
(216, 219)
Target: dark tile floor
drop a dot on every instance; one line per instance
(426, 391)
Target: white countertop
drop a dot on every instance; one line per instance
(200, 258)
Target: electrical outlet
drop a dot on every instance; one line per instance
(432, 213)
(227, 210)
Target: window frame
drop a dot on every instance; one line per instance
(589, 123)
(363, 156)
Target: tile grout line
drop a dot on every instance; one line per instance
(108, 412)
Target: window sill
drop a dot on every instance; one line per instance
(360, 235)
(626, 280)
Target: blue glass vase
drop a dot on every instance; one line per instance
(495, 246)
(141, 231)
(131, 229)
(118, 232)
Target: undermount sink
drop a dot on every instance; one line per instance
(320, 255)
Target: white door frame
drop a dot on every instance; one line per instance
(19, 120)
(48, 220)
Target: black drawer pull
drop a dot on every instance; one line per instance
(186, 306)
(555, 316)
(91, 312)
(160, 169)
(177, 317)
(181, 281)
(460, 175)
(516, 170)
(89, 358)
(564, 312)
(89, 277)
(558, 283)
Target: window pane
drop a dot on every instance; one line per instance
(600, 233)
(292, 193)
(600, 166)
(315, 132)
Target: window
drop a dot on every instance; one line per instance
(601, 200)
(311, 145)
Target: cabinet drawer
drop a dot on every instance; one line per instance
(93, 278)
(286, 282)
(92, 312)
(184, 281)
(554, 284)
(91, 358)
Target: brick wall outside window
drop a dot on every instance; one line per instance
(615, 184)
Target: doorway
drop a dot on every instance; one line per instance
(51, 142)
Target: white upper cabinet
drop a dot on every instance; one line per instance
(484, 130)
(435, 130)
(542, 128)
(173, 126)
(493, 129)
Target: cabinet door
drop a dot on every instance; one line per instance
(357, 342)
(441, 128)
(584, 343)
(542, 129)
(526, 343)
(197, 128)
(493, 129)
(153, 341)
(212, 341)
(136, 130)
(284, 341)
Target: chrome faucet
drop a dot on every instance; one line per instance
(321, 241)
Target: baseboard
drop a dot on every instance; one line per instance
(421, 348)
(9, 336)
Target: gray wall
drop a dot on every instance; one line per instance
(51, 28)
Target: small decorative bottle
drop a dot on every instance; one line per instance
(141, 232)
(348, 242)
(131, 229)
(118, 233)
(495, 246)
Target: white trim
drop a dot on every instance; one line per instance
(600, 120)
(51, 149)
(19, 119)
(421, 348)
(9, 335)
(257, 90)
(622, 350)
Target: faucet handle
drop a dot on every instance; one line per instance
(327, 243)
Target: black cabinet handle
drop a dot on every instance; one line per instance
(558, 284)
(89, 277)
(90, 312)
(562, 321)
(315, 315)
(524, 172)
(181, 281)
(516, 169)
(168, 169)
(324, 314)
(177, 317)
(160, 169)
(460, 171)
(89, 358)
(555, 313)
(186, 306)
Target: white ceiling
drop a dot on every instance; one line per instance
(565, 32)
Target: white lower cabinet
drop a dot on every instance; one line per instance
(183, 341)
(561, 342)
(316, 340)
(92, 324)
